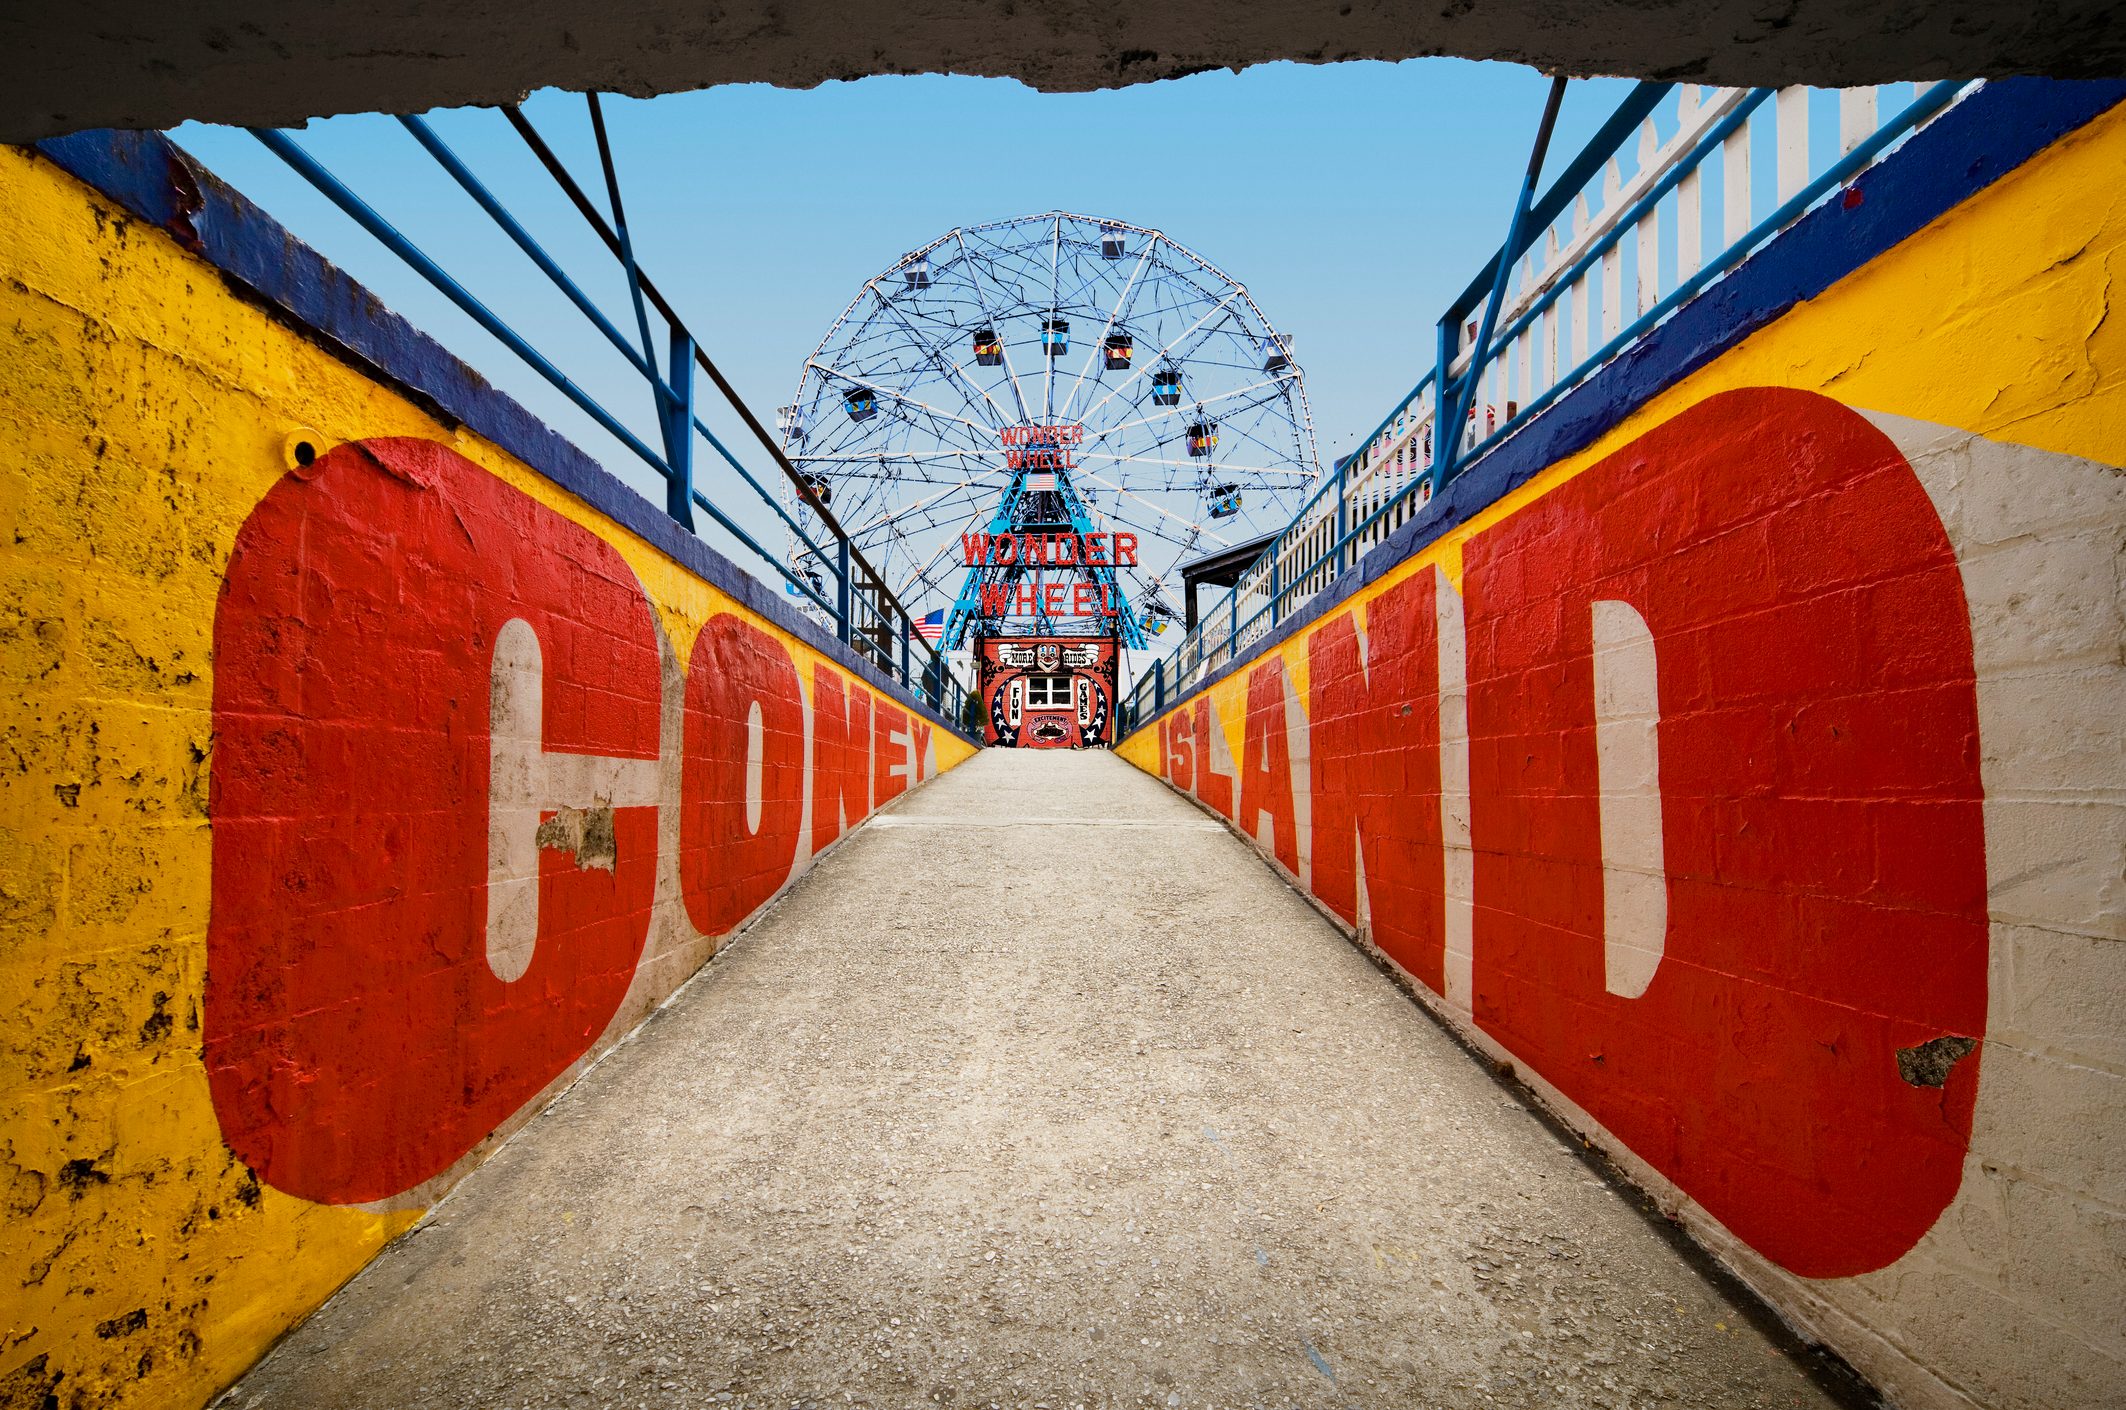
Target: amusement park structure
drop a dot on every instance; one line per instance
(1032, 424)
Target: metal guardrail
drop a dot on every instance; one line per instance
(868, 616)
(1624, 237)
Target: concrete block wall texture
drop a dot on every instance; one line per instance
(1752, 779)
(361, 784)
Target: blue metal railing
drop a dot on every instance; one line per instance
(866, 613)
(1407, 457)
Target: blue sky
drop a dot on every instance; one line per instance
(1352, 200)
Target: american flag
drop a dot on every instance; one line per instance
(932, 627)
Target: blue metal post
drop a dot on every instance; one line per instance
(841, 592)
(1276, 591)
(675, 408)
(904, 650)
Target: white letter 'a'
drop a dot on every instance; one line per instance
(1628, 772)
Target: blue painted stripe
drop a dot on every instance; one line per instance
(149, 176)
(1963, 151)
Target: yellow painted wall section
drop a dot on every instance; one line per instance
(149, 410)
(1982, 364)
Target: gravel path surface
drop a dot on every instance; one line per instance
(1042, 1091)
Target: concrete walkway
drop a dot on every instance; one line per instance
(1041, 1092)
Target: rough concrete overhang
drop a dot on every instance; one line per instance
(154, 63)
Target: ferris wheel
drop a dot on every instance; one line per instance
(1188, 413)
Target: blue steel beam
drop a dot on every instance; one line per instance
(966, 608)
(533, 250)
(388, 235)
(1923, 107)
(627, 243)
(311, 170)
(546, 157)
(1456, 395)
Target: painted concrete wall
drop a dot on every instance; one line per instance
(358, 785)
(1752, 779)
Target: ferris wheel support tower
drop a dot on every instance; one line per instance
(1029, 573)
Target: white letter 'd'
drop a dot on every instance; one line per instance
(1628, 772)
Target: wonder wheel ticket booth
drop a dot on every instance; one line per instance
(1047, 692)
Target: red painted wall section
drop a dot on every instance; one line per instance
(1375, 770)
(1782, 731)
(356, 1040)
(1214, 788)
(892, 769)
(1266, 765)
(841, 763)
(1820, 805)
(728, 867)
(402, 952)
(1177, 749)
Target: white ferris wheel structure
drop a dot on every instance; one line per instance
(1196, 431)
